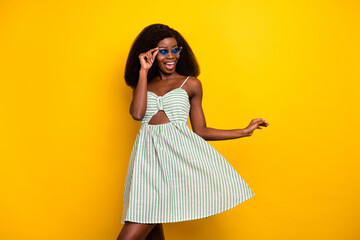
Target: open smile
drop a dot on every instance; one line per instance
(170, 65)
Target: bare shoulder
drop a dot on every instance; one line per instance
(193, 87)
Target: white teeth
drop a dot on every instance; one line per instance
(172, 63)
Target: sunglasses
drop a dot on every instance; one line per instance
(174, 51)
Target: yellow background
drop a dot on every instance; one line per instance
(66, 131)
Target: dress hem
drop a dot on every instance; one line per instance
(191, 218)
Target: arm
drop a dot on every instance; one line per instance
(198, 122)
(139, 102)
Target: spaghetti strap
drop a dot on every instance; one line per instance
(185, 81)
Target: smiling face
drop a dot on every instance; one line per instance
(167, 64)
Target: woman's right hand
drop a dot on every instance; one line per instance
(147, 58)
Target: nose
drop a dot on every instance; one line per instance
(170, 55)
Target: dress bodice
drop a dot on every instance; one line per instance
(174, 103)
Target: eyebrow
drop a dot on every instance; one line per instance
(165, 47)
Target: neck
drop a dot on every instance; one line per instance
(164, 76)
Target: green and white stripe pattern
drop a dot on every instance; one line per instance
(174, 174)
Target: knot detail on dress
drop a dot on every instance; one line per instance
(160, 103)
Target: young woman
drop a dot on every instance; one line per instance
(173, 173)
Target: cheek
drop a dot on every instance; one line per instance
(158, 58)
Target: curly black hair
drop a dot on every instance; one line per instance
(148, 38)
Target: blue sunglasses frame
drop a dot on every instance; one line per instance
(174, 51)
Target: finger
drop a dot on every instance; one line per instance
(143, 58)
(141, 55)
(148, 57)
(155, 53)
(151, 59)
(261, 120)
(154, 49)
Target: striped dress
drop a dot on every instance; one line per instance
(174, 174)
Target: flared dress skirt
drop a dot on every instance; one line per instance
(174, 174)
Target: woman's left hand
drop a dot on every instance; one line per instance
(255, 124)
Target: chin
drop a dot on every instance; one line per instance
(166, 71)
